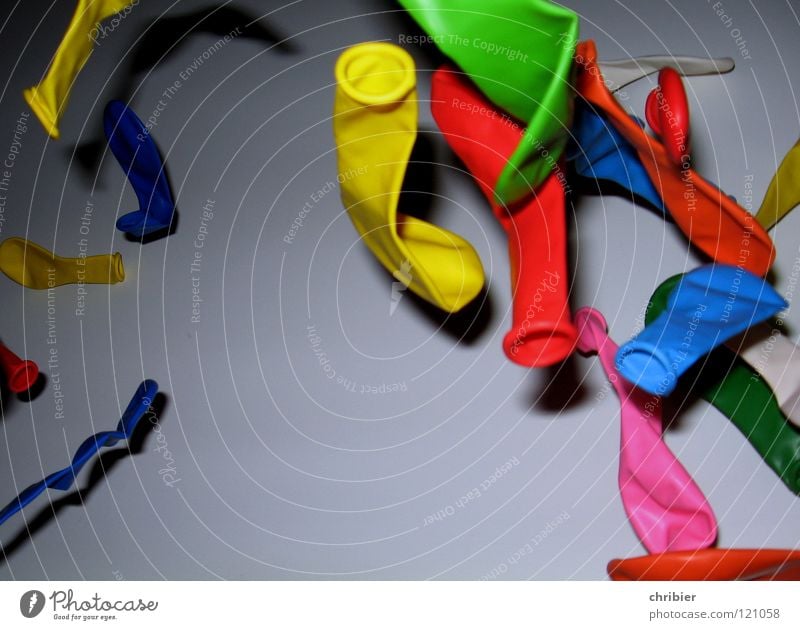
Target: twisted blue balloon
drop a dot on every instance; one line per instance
(708, 306)
(137, 154)
(599, 151)
(63, 479)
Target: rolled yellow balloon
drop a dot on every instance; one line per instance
(49, 98)
(375, 127)
(33, 266)
(783, 193)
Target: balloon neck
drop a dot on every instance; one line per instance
(101, 269)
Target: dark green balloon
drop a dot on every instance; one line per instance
(739, 392)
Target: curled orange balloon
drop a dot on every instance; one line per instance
(712, 221)
(710, 564)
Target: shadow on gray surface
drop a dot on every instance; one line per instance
(559, 386)
(466, 326)
(97, 473)
(9, 398)
(166, 34)
(164, 37)
(154, 236)
(404, 23)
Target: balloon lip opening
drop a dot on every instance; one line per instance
(646, 367)
(131, 223)
(23, 377)
(541, 345)
(586, 318)
(137, 224)
(117, 268)
(42, 112)
(772, 563)
(391, 60)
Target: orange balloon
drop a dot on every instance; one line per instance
(710, 564)
(712, 221)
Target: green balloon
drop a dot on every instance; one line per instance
(520, 54)
(739, 392)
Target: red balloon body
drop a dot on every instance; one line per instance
(710, 564)
(484, 138)
(667, 113)
(20, 374)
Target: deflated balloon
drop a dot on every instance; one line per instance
(63, 479)
(20, 374)
(520, 54)
(48, 99)
(666, 508)
(542, 332)
(743, 396)
(708, 306)
(137, 154)
(777, 360)
(710, 564)
(711, 220)
(783, 193)
(599, 152)
(667, 113)
(33, 266)
(621, 72)
(375, 127)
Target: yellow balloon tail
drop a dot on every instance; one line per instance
(49, 98)
(783, 193)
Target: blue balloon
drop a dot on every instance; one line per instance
(63, 479)
(599, 151)
(709, 305)
(137, 154)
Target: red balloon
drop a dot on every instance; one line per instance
(667, 112)
(710, 564)
(484, 138)
(20, 374)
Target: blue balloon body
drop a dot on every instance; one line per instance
(63, 479)
(137, 154)
(710, 305)
(599, 151)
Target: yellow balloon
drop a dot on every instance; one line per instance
(783, 193)
(33, 266)
(49, 98)
(375, 127)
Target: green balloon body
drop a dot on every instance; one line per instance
(739, 392)
(520, 54)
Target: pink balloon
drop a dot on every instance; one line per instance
(666, 508)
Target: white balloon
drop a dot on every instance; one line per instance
(622, 72)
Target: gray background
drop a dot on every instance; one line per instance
(284, 473)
